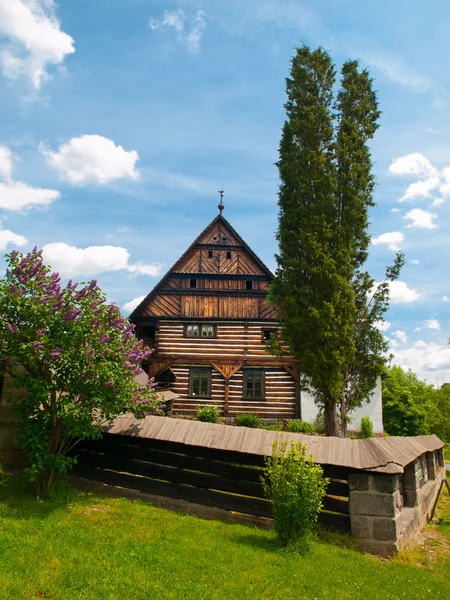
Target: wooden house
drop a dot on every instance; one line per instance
(208, 320)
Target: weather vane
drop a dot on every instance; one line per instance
(221, 205)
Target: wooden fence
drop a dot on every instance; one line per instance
(211, 477)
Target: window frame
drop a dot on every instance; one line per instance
(248, 372)
(200, 327)
(249, 285)
(192, 284)
(208, 371)
(271, 330)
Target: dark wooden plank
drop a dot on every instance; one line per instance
(336, 505)
(335, 472)
(173, 475)
(335, 522)
(251, 506)
(188, 450)
(338, 488)
(238, 473)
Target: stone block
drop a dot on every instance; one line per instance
(410, 480)
(385, 484)
(359, 481)
(361, 526)
(387, 529)
(372, 503)
(381, 548)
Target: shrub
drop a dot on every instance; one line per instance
(366, 427)
(319, 423)
(274, 427)
(299, 427)
(208, 414)
(248, 420)
(295, 486)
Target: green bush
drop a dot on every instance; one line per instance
(274, 427)
(366, 427)
(248, 420)
(208, 414)
(299, 427)
(295, 486)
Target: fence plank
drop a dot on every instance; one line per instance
(171, 474)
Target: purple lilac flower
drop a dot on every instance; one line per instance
(90, 352)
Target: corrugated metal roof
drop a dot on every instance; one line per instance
(383, 455)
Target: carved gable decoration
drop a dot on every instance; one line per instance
(209, 280)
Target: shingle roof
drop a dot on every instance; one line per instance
(383, 455)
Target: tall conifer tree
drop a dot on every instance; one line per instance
(320, 291)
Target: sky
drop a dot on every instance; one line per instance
(120, 121)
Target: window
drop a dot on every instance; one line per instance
(208, 331)
(200, 382)
(228, 254)
(198, 330)
(191, 330)
(254, 388)
(249, 285)
(209, 253)
(192, 283)
(266, 334)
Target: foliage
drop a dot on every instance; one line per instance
(296, 487)
(248, 420)
(414, 407)
(366, 427)
(277, 426)
(73, 357)
(208, 414)
(320, 289)
(300, 427)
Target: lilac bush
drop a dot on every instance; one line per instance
(74, 358)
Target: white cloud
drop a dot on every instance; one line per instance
(420, 189)
(6, 166)
(395, 69)
(392, 239)
(432, 324)
(189, 27)
(394, 210)
(132, 304)
(421, 219)
(20, 196)
(417, 329)
(92, 159)
(32, 39)
(400, 293)
(8, 238)
(415, 261)
(401, 335)
(71, 261)
(413, 164)
(445, 298)
(382, 325)
(427, 360)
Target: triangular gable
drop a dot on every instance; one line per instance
(218, 232)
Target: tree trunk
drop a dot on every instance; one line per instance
(343, 410)
(45, 480)
(331, 422)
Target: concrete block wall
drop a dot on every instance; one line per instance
(387, 511)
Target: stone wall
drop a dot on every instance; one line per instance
(11, 454)
(387, 511)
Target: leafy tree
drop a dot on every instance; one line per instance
(414, 407)
(320, 289)
(73, 357)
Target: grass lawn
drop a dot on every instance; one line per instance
(81, 545)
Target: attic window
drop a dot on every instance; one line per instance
(266, 334)
(192, 283)
(209, 253)
(224, 239)
(249, 285)
(228, 254)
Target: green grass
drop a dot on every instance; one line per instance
(447, 453)
(85, 546)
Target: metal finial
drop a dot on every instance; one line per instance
(221, 205)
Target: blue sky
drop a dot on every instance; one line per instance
(119, 121)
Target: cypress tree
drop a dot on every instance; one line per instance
(320, 291)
